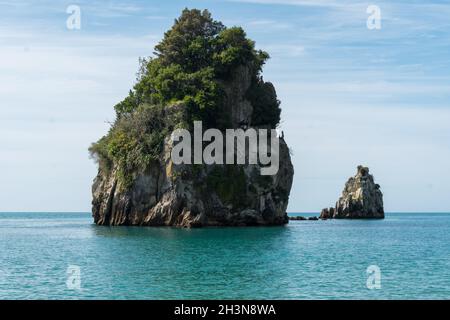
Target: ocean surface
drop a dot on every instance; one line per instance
(304, 260)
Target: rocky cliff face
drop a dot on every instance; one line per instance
(361, 199)
(199, 195)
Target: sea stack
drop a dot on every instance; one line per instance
(361, 199)
(202, 71)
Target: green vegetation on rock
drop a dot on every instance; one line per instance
(191, 66)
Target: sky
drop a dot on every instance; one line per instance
(350, 95)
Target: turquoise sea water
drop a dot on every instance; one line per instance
(304, 260)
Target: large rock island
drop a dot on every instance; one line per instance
(202, 71)
(361, 199)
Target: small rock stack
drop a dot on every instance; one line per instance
(361, 199)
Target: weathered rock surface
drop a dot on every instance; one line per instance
(199, 195)
(361, 199)
(298, 218)
(327, 213)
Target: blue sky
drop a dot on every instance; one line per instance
(349, 95)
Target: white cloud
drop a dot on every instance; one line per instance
(267, 24)
(58, 90)
(285, 50)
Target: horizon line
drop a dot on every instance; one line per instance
(291, 212)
